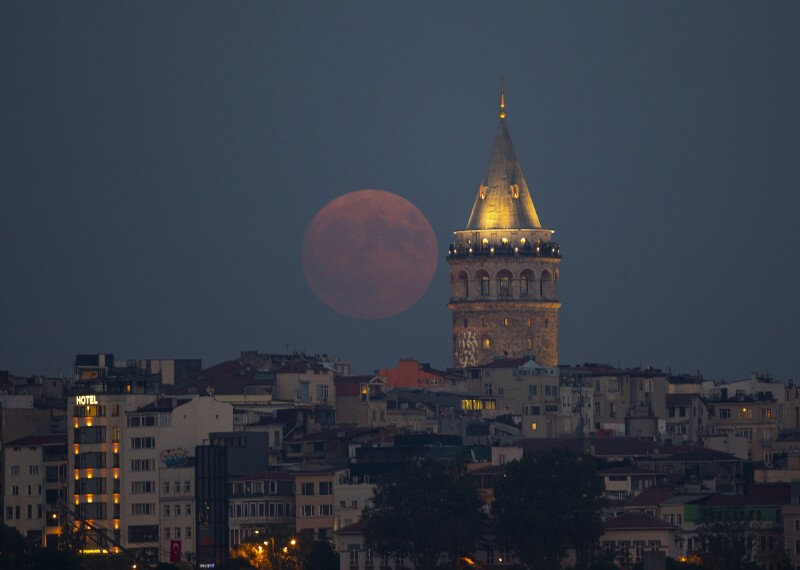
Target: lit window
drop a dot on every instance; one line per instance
(533, 426)
(487, 344)
(505, 321)
(529, 343)
(484, 285)
(484, 241)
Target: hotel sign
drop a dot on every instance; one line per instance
(90, 400)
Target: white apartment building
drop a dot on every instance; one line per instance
(351, 492)
(35, 481)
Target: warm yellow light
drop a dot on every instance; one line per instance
(89, 422)
(76, 475)
(293, 541)
(116, 475)
(77, 500)
(533, 426)
(285, 549)
(116, 499)
(116, 524)
(744, 410)
(89, 498)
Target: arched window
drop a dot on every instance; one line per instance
(505, 321)
(526, 283)
(462, 286)
(483, 279)
(487, 344)
(546, 285)
(529, 343)
(504, 283)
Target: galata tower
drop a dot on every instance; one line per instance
(504, 269)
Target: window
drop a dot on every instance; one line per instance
(487, 344)
(143, 464)
(15, 489)
(766, 413)
(9, 513)
(166, 487)
(15, 470)
(167, 534)
(273, 487)
(536, 410)
(326, 488)
(724, 413)
(505, 287)
(143, 487)
(322, 392)
(529, 343)
(33, 470)
(532, 390)
(325, 510)
(484, 284)
(142, 508)
(505, 321)
(306, 488)
(177, 510)
(352, 549)
(177, 532)
(487, 389)
(307, 511)
(187, 486)
(188, 532)
(115, 409)
(533, 426)
(682, 411)
(188, 509)
(143, 442)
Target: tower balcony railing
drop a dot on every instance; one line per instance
(547, 250)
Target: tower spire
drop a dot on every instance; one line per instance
(502, 100)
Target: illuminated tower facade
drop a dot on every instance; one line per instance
(504, 269)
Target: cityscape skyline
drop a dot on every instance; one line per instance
(157, 185)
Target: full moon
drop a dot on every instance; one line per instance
(369, 254)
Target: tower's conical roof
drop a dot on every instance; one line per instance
(504, 201)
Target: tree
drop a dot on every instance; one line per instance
(319, 555)
(426, 511)
(547, 504)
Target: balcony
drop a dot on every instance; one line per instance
(548, 250)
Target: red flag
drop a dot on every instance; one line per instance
(175, 551)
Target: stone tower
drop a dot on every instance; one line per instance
(504, 269)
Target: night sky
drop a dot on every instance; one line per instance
(161, 162)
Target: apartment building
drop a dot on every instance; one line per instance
(35, 486)
(260, 506)
(314, 503)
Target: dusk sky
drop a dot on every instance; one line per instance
(162, 161)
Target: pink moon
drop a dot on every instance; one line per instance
(369, 254)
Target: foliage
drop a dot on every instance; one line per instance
(728, 544)
(15, 552)
(319, 555)
(425, 511)
(547, 504)
(265, 555)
